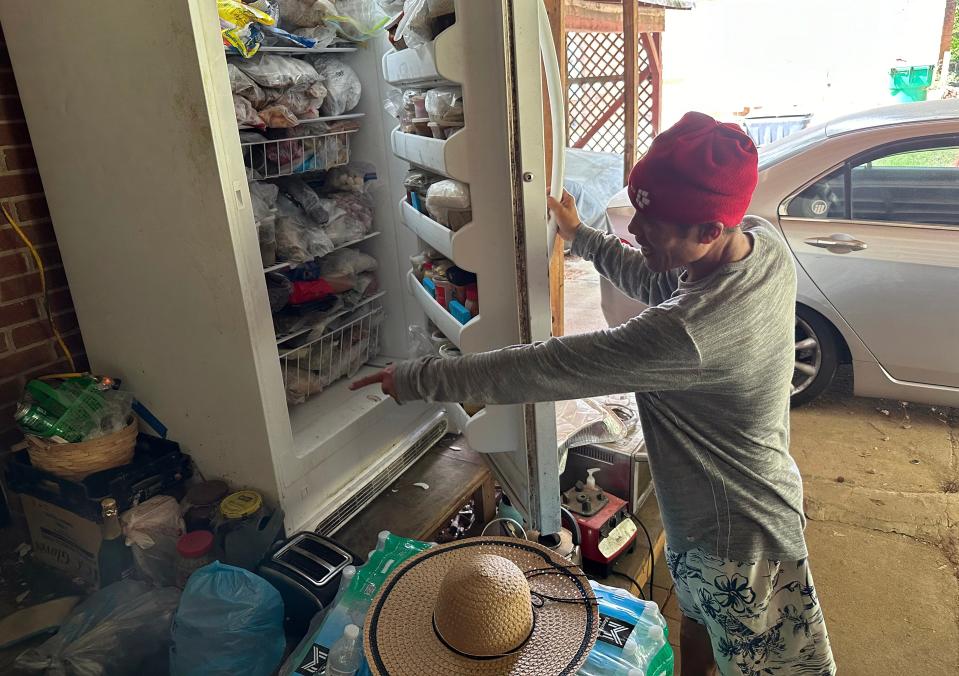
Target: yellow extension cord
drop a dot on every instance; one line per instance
(43, 284)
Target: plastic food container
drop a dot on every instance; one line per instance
(194, 550)
(419, 106)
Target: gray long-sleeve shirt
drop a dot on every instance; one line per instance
(711, 362)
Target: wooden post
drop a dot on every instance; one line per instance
(945, 45)
(652, 43)
(557, 12)
(630, 66)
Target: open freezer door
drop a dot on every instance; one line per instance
(492, 52)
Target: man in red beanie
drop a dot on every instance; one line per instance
(711, 363)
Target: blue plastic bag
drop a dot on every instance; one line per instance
(230, 621)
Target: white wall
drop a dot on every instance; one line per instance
(826, 57)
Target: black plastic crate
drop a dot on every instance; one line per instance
(158, 466)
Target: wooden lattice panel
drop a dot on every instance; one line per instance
(596, 84)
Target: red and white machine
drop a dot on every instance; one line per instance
(607, 530)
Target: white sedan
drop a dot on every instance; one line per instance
(869, 205)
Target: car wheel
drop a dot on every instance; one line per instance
(817, 356)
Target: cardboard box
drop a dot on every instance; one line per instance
(62, 539)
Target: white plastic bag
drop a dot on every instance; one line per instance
(342, 85)
(242, 85)
(297, 239)
(359, 20)
(346, 262)
(263, 196)
(305, 13)
(448, 203)
(151, 530)
(275, 71)
(445, 105)
(324, 34)
(302, 102)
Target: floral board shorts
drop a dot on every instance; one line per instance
(763, 618)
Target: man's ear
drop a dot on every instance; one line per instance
(710, 232)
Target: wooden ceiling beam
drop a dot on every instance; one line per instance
(605, 17)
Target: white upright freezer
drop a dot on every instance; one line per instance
(129, 107)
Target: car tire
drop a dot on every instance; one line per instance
(817, 356)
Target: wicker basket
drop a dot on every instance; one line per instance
(77, 461)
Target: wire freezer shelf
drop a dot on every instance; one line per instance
(297, 155)
(338, 353)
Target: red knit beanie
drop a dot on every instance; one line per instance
(697, 171)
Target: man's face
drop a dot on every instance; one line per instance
(668, 246)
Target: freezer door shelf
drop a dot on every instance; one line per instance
(495, 429)
(462, 335)
(447, 157)
(433, 63)
(461, 246)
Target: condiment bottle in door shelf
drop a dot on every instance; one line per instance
(472, 300)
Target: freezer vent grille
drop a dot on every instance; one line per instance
(378, 484)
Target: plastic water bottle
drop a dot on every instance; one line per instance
(344, 657)
(381, 540)
(639, 653)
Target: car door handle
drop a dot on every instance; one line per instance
(837, 243)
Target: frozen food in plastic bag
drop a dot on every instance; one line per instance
(323, 34)
(305, 13)
(302, 102)
(246, 114)
(359, 20)
(300, 192)
(240, 25)
(445, 105)
(263, 196)
(347, 262)
(393, 103)
(230, 621)
(366, 285)
(297, 239)
(342, 85)
(276, 71)
(414, 27)
(277, 37)
(151, 530)
(242, 85)
(122, 629)
(278, 117)
(352, 218)
(448, 203)
(354, 177)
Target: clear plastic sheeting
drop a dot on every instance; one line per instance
(585, 421)
(592, 179)
(122, 629)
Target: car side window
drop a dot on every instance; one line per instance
(915, 186)
(826, 198)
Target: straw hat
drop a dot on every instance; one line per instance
(482, 606)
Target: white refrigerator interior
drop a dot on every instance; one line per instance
(129, 106)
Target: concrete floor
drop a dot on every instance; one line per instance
(882, 499)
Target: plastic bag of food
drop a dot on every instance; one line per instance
(268, 7)
(342, 85)
(278, 72)
(242, 85)
(304, 103)
(278, 117)
(277, 37)
(346, 262)
(352, 217)
(297, 239)
(420, 343)
(117, 630)
(358, 20)
(240, 25)
(354, 177)
(300, 192)
(263, 196)
(448, 203)
(305, 13)
(445, 105)
(324, 34)
(246, 114)
(393, 103)
(230, 621)
(151, 530)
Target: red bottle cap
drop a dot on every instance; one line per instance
(194, 545)
(428, 265)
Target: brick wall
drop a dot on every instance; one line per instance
(27, 347)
